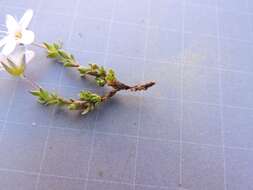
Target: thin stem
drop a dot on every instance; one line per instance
(142, 86)
(120, 86)
(31, 82)
(38, 45)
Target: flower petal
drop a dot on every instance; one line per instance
(29, 55)
(26, 19)
(16, 55)
(2, 58)
(11, 23)
(27, 37)
(9, 47)
(3, 41)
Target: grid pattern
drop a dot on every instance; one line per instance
(192, 131)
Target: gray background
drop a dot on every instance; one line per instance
(192, 131)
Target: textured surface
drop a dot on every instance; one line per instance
(192, 131)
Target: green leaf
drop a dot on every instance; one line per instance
(44, 94)
(52, 54)
(110, 76)
(89, 97)
(60, 102)
(63, 54)
(72, 106)
(35, 92)
(68, 65)
(83, 71)
(102, 71)
(52, 102)
(8, 69)
(13, 69)
(100, 82)
(48, 98)
(46, 45)
(57, 46)
(41, 101)
(72, 56)
(94, 66)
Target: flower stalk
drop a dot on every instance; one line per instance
(31, 82)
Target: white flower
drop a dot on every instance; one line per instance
(17, 32)
(15, 63)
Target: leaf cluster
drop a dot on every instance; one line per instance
(87, 100)
(55, 51)
(90, 101)
(47, 98)
(102, 77)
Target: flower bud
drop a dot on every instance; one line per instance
(15, 63)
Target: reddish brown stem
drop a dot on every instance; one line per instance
(118, 86)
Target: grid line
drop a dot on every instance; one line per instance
(187, 3)
(138, 137)
(97, 115)
(11, 100)
(217, 68)
(48, 130)
(221, 101)
(77, 178)
(147, 30)
(52, 112)
(157, 26)
(142, 137)
(181, 101)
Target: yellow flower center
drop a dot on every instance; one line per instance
(18, 35)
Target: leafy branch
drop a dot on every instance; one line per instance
(87, 100)
(102, 77)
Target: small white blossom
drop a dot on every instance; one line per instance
(17, 33)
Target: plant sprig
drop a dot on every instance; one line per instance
(15, 56)
(87, 101)
(102, 76)
(54, 50)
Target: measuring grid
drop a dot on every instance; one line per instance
(202, 162)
